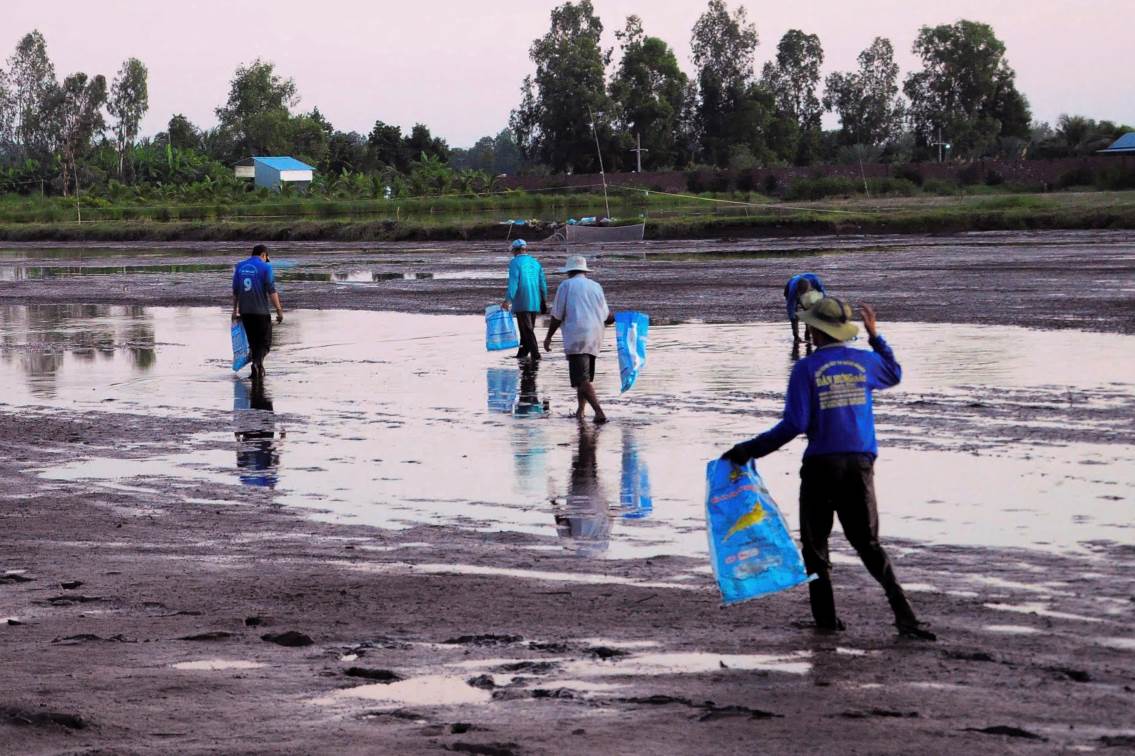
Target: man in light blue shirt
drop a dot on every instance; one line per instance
(527, 295)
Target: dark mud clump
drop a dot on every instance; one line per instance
(374, 675)
(208, 636)
(24, 718)
(488, 639)
(1007, 730)
(289, 638)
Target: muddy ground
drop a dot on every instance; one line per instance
(1050, 280)
(107, 590)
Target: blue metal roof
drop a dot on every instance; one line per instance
(1125, 143)
(284, 163)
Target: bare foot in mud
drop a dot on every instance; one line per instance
(600, 418)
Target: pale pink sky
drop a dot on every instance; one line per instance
(457, 65)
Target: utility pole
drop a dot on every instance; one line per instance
(941, 145)
(638, 150)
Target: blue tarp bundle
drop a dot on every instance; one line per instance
(500, 329)
(630, 337)
(241, 351)
(749, 545)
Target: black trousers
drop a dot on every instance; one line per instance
(526, 324)
(843, 485)
(259, 330)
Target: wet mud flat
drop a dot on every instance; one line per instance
(137, 623)
(1053, 279)
(191, 565)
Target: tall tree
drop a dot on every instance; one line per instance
(31, 76)
(308, 137)
(966, 89)
(649, 91)
(129, 101)
(257, 111)
(6, 112)
(867, 101)
(421, 142)
(793, 79)
(723, 47)
(795, 76)
(345, 152)
(385, 147)
(182, 133)
(75, 112)
(552, 123)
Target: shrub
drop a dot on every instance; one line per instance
(909, 172)
(970, 175)
(1082, 176)
(819, 188)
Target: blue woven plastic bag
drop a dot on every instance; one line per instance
(242, 354)
(749, 545)
(630, 338)
(500, 329)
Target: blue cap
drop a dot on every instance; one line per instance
(519, 244)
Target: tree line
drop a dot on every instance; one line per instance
(82, 133)
(962, 103)
(60, 137)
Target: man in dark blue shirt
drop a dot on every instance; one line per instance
(254, 286)
(830, 399)
(794, 290)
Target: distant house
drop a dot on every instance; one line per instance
(274, 172)
(1125, 145)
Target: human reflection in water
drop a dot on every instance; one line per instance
(528, 403)
(254, 425)
(583, 517)
(529, 439)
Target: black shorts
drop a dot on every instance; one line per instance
(259, 330)
(581, 368)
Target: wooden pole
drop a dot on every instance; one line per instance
(599, 152)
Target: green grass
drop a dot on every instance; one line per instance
(667, 217)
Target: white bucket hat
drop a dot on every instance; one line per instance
(574, 263)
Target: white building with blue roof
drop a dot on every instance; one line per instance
(1125, 145)
(275, 171)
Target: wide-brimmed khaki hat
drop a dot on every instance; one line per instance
(574, 263)
(833, 317)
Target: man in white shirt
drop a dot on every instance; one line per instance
(581, 309)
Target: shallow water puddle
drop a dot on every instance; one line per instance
(1041, 609)
(428, 690)
(690, 663)
(394, 419)
(1122, 644)
(214, 665)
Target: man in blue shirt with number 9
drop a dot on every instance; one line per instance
(253, 287)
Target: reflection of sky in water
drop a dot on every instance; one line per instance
(391, 421)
